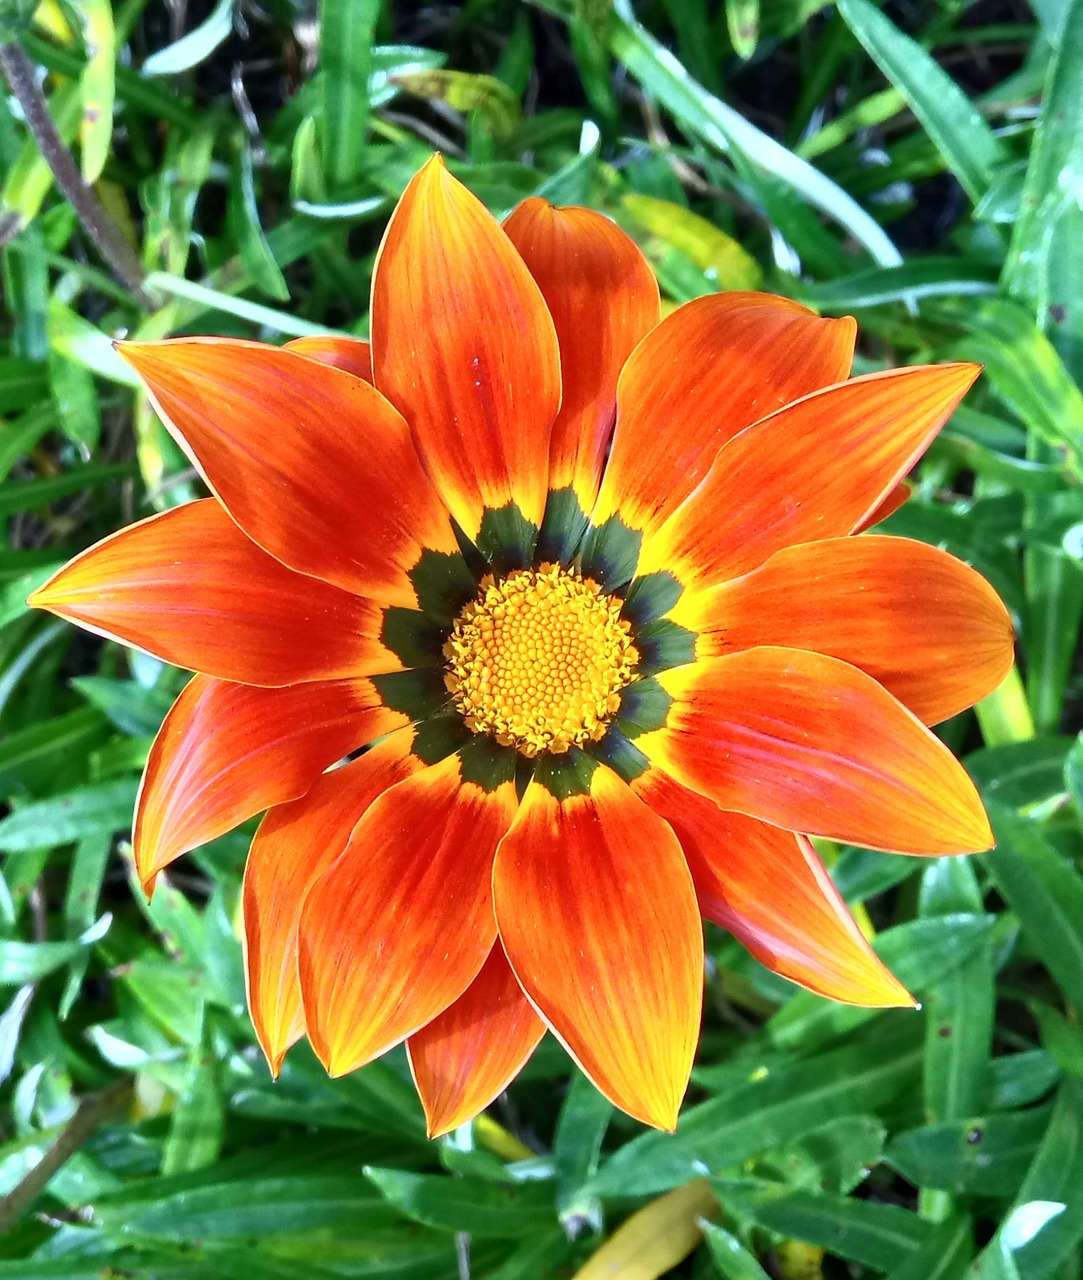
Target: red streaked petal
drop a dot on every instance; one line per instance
(817, 469)
(603, 297)
(474, 1049)
(312, 463)
(402, 923)
(295, 844)
(768, 888)
(898, 497)
(598, 918)
(190, 588)
(705, 373)
(812, 744)
(924, 625)
(228, 751)
(352, 354)
(463, 345)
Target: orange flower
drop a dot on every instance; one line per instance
(604, 695)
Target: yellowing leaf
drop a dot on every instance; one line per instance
(466, 92)
(800, 1261)
(656, 1239)
(99, 86)
(49, 17)
(714, 252)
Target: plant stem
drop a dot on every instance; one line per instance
(92, 1112)
(19, 72)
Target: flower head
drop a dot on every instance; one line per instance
(586, 586)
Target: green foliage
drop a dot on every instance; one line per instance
(917, 166)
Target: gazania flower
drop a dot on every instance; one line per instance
(610, 677)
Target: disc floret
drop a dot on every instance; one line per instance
(538, 659)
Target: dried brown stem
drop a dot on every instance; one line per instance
(93, 1111)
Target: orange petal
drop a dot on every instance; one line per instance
(709, 370)
(932, 631)
(817, 469)
(898, 497)
(603, 297)
(768, 888)
(813, 744)
(352, 354)
(295, 844)
(311, 462)
(228, 751)
(598, 917)
(190, 588)
(402, 923)
(464, 347)
(474, 1049)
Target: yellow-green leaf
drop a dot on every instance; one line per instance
(465, 92)
(715, 253)
(99, 86)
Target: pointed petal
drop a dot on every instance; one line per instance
(295, 844)
(227, 751)
(924, 625)
(603, 297)
(188, 587)
(474, 1049)
(464, 347)
(812, 744)
(898, 497)
(352, 354)
(402, 923)
(312, 463)
(598, 918)
(768, 888)
(709, 370)
(817, 469)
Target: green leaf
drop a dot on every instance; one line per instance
(102, 809)
(484, 1209)
(197, 1125)
(720, 126)
(960, 1003)
(835, 1157)
(28, 756)
(1020, 774)
(195, 47)
(945, 1254)
(244, 222)
(855, 1230)
(22, 962)
(577, 1145)
(347, 28)
(732, 1260)
(1022, 366)
(919, 953)
(1046, 893)
(948, 116)
(986, 1156)
(134, 709)
(1046, 1223)
(771, 1106)
(1044, 245)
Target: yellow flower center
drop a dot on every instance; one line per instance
(538, 660)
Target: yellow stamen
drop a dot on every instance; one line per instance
(539, 658)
